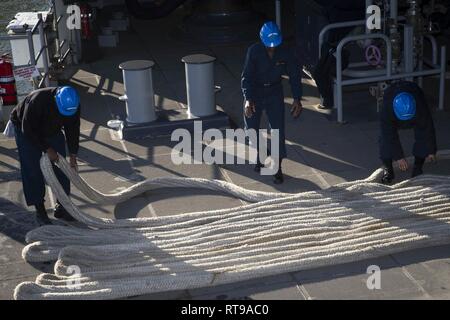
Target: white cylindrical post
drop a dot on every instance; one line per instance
(200, 85)
(139, 95)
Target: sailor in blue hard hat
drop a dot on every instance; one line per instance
(265, 64)
(39, 121)
(270, 35)
(405, 107)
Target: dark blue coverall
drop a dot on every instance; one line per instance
(32, 178)
(38, 126)
(422, 123)
(261, 84)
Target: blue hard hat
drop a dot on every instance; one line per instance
(270, 34)
(67, 100)
(404, 106)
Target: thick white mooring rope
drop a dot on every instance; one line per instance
(276, 233)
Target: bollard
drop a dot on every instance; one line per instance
(200, 87)
(139, 95)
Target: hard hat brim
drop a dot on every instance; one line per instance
(272, 44)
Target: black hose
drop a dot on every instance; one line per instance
(151, 11)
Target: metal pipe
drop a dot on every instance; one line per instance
(357, 64)
(408, 48)
(40, 53)
(442, 78)
(434, 46)
(420, 65)
(31, 47)
(56, 21)
(393, 9)
(363, 73)
(76, 53)
(38, 24)
(392, 77)
(430, 64)
(335, 95)
(278, 12)
(6, 38)
(339, 70)
(44, 51)
(420, 79)
(63, 58)
(61, 44)
(339, 25)
(43, 80)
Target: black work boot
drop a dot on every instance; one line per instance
(388, 176)
(61, 213)
(388, 172)
(41, 215)
(278, 177)
(418, 167)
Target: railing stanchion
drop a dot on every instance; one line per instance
(45, 50)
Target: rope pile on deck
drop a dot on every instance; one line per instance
(276, 233)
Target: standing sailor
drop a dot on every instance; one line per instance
(405, 107)
(265, 63)
(39, 120)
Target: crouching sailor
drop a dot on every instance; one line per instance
(38, 121)
(405, 107)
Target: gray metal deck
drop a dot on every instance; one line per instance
(321, 153)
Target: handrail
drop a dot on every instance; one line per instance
(44, 51)
(434, 46)
(436, 70)
(6, 38)
(398, 76)
(339, 70)
(60, 60)
(31, 47)
(41, 51)
(336, 25)
(62, 44)
(339, 25)
(43, 81)
(36, 26)
(349, 39)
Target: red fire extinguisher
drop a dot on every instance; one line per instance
(86, 14)
(8, 91)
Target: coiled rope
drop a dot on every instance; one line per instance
(276, 233)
